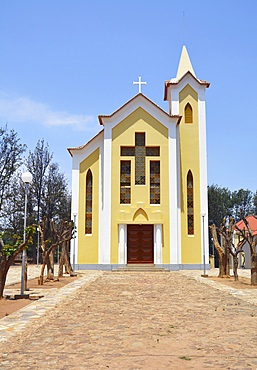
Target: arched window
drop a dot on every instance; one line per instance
(190, 204)
(89, 193)
(188, 114)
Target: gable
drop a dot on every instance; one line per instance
(140, 121)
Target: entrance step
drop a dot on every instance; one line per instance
(140, 267)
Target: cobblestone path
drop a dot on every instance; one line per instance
(139, 321)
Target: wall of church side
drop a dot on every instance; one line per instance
(203, 170)
(88, 243)
(189, 160)
(156, 134)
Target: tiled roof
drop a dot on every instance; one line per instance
(83, 146)
(252, 223)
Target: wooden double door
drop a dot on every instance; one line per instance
(140, 244)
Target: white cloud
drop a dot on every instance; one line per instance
(23, 109)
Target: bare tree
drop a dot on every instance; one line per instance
(59, 236)
(223, 269)
(249, 238)
(227, 233)
(37, 163)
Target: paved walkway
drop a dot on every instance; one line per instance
(14, 273)
(133, 321)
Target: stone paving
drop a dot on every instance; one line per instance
(134, 321)
(14, 273)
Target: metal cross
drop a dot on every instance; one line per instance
(139, 83)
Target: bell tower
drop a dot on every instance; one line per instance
(186, 97)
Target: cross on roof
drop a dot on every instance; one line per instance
(139, 83)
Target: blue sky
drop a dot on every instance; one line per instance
(64, 62)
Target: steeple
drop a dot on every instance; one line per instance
(184, 64)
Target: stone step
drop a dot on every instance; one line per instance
(139, 268)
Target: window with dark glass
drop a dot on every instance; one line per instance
(125, 182)
(140, 151)
(188, 114)
(89, 193)
(154, 182)
(190, 203)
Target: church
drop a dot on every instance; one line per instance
(139, 187)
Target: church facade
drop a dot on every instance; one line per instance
(139, 187)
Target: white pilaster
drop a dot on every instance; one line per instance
(100, 220)
(107, 175)
(173, 194)
(122, 244)
(75, 206)
(178, 198)
(158, 244)
(203, 169)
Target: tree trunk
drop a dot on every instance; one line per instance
(222, 267)
(227, 261)
(235, 266)
(3, 275)
(254, 269)
(50, 266)
(60, 272)
(41, 277)
(68, 268)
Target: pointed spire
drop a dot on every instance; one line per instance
(184, 64)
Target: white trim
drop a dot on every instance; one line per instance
(158, 244)
(100, 200)
(122, 244)
(173, 226)
(105, 257)
(203, 169)
(75, 204)
(139, 101)
(179, 257)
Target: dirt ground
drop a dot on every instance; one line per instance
(8, 306)
(241, 283)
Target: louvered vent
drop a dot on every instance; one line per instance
(188, 114)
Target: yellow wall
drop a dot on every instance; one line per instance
(189, 154)
(155, 135)
(88, 244)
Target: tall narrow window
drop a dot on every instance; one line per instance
(125, 182)
(188, 114)
(190, 203)
(154, 182)
(89, 193)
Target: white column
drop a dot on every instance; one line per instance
(100, 220)
(75, 205)
(122, 244)
(203, 169)
(173, 206)
(106, 251)
(158, 243)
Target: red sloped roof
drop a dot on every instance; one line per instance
(252, 223)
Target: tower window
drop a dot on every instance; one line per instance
(125, 182)
(188, 114)
(154, 182)
(190, 204)
(89, 193)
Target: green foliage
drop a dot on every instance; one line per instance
(8, 250)
(10, 156)
(224, 203)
